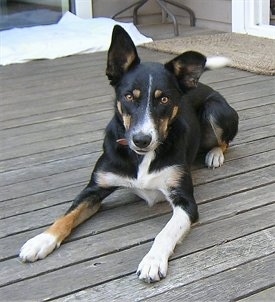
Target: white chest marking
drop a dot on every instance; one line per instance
(152, 187)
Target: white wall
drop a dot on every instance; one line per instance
(213, 14)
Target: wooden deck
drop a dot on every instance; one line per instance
(52, 118)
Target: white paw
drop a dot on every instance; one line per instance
(214, 158)
(38, 247)
(152, 268)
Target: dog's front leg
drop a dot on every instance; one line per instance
(154, 265)
(86, 204)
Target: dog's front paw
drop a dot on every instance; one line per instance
(214, 158)
(38, 247)
(152, 268)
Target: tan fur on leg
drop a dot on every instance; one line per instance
(63, 226)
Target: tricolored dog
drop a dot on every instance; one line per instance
(162, 117)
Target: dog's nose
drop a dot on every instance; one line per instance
(142, 140)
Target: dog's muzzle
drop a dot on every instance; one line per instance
(141, 141)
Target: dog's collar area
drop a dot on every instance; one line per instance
(122, 141)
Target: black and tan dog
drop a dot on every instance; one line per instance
(162, 117)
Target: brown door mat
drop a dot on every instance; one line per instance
(246, 52)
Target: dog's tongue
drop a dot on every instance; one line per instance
(122, 141)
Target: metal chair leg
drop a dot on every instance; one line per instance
(135, 16)
(164, 7)
(168, 11)
(165, 10)
(136, 6)
(189, 10)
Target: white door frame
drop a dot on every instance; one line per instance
(252, 17)
(83, 8)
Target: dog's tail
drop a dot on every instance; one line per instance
(216, 62)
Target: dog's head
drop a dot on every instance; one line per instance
(148, 95)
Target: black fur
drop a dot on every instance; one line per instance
(187, 132)
(162, 117)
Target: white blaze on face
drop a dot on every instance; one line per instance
(146, 123)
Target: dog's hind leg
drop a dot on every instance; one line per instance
(86, 204)
(219, 125)
(215, 157)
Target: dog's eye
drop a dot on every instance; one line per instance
(164, 100)
(129, 97)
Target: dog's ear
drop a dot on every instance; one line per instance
(187, 68)
(122, 55)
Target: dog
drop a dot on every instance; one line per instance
(163, 116)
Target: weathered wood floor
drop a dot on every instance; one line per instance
(52, 118)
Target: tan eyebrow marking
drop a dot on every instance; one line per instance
(158, 93)
(136, 93)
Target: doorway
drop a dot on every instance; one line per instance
(253, 17)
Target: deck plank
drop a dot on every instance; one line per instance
(262, 245)
(52, 119)
(228, 285)
(266, 295)
(211, 211)
(191, 269)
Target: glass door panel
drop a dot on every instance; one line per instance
(24, 13)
